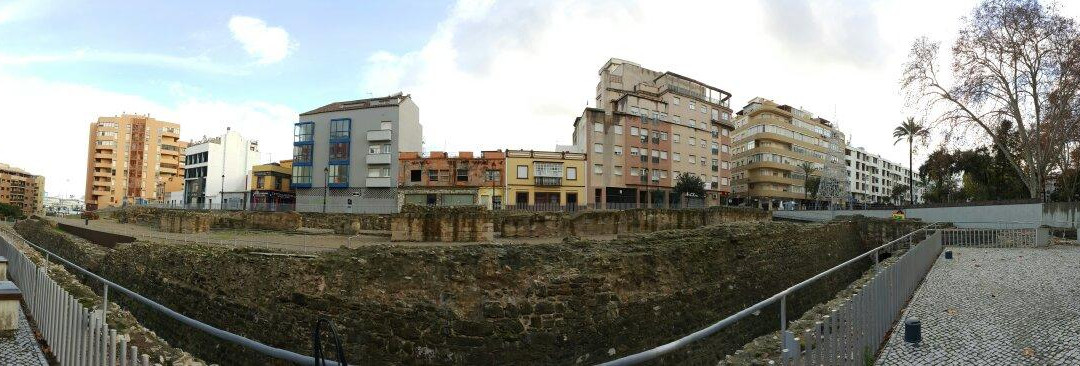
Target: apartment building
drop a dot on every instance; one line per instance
(646, 129)
(270, 186)
(70, 205)
(23, 190)
(872, 178)
(545, 178)
(217, 169)
(127, 156)
(771, 144)
(345, 154)
(441, 179)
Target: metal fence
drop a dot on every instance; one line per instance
(851, 331)
(996, 238)
(368, 207)
(79, 336)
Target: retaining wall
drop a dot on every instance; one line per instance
(578, 302)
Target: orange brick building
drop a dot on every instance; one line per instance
(440, 179)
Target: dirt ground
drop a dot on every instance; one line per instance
(305, 241)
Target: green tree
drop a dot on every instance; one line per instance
(11, 211)
(910, 130)
(938, 171)
(896, 196)
(689, 184)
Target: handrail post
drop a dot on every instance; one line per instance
(783, 314)
(105, 303)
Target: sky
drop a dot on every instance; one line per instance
(486, 74)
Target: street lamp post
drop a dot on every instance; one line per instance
(326, 187)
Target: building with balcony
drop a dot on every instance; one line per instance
(772, 142)
(441, 179)
(646, 129)
(128, 156)
(217, 170)
(271, 187)
(872, 178)
(345, 154)
(545, 178)
(57, 206)
(23, 190)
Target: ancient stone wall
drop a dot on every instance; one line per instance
(587, 223)
(346, 223)
(569, 303)
(442, 224)
(192, 221)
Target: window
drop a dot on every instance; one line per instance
(618, 170)
(618, 129)
(523, 172)
(554, 170)
(663, 136)
(634, 172)
(598, 127)
(301, 174)
(618, 150)
(339, 129)
(725, 148)
(385, 125)
(571, 173)
(675, 101)
(693, 141)
(693, 159)
(663, 155)
(432, 175)
(725, 165)
(492, 176)
(379, 173)
(598, 148)
(301, 154)
(724, 181)
(715, 114)
(415, 175)
(633, 151)
(724, 132)
(675, 138)
(634, 110)
(691, 105)
(339, 151)
(676, 119)
(304, 132)
(339, 174)
(598, 168)
(692, 123)
(676, 156)
(462, 174)
(633, 131)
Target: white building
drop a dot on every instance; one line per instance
(872, 178)
(62, 206)
(217, 167)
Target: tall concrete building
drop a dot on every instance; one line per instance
(772, 142)
(646, 129)
(872, 178)
(127, 157)
(23, 190)
(217, 171)
(345, 154)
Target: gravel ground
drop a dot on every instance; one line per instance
(995, 306)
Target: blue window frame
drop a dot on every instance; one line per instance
(339, 153)
(340, 129)
(302, 154)
(304, 133)
(339, 176)
(301, 177)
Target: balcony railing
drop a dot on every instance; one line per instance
(379, 182)
(549, 181)
(377, 159)
(379, 135)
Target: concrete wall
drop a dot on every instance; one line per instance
(1026, 215)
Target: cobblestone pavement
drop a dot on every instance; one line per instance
(22, 348)
(1016, 306)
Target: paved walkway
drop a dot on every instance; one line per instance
(21, 348)
(988, 306)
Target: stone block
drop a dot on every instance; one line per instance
(10, 295)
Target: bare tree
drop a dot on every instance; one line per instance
(1013, 60)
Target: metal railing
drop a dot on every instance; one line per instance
(996, 238)
(80, 336)
(855, 328)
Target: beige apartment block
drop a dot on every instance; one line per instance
(132, 158)
(771, 142)
(646, 129)
(21, 189)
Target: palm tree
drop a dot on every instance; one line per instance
(910, 130)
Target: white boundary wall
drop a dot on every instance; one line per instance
(1019, 215)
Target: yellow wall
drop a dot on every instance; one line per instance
(269, 181)
(515, 184)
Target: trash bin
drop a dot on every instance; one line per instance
(912, 331)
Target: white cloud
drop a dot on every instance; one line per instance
(515, 74)
(200, 64)
(52, 122)
(267, 44)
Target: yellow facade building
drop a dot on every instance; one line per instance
(545, 178)
(771, 143)
(269, 186)
(129, 157)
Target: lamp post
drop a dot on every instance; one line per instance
(326, 187)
